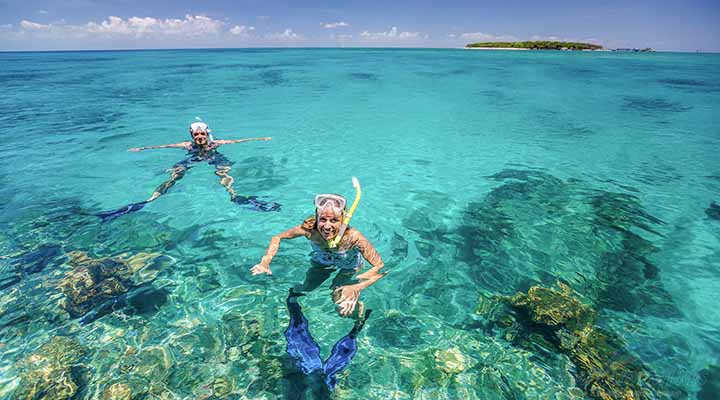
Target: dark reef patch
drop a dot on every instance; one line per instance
(272, 77)
(536, 228)
(365, 76)
(681, 82)
(652, 105)
(709, 383)
(713, 211)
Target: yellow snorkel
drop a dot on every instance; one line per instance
(348, 215)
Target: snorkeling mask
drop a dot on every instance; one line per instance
(334, 201)
(338, 202)
(199, 126)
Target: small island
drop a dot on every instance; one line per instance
(534, 45)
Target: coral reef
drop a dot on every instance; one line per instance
(47, 373)
(605, 369)
(95, 284)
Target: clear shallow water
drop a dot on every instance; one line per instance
(484, 173)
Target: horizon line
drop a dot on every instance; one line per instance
(325, 47)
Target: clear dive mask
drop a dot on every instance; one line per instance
(335, 201)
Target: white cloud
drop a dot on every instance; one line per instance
(42, 12)
(334, 25)
(34, 26)
(389, 35)
(288, 34)
(241, 30)
(263, 17)
(198, 25)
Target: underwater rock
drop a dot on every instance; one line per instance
(713, 211)
(554, 308)
(605, 369)
(709, 383)
(400, 331)
(399, 247)
(36, 261)
(146, 299)
(117, 391)
(97, 285)
(534, 229)
(6, 282)
(47, 373)
(450, 361)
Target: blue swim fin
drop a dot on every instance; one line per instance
(111, 215)
(342, 353)
(256, 204)
(301, 346)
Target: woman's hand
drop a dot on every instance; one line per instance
(346, 297)
(260, 268)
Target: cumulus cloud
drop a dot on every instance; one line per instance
(198, 25)
(190, 27)
(391, 34)
(334, 25)
(241, 30)
(288, 34)
(33, 26)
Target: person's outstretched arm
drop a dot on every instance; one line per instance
(263, 267)
(233, 141)
(182, 145)
(348, 295)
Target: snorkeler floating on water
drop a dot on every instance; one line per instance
(335, 248)
(202, 148)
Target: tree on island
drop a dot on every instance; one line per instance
(537, 45)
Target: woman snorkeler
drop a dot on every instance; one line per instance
(336, 247)
(201, 148)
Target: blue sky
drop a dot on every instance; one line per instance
(133, 24)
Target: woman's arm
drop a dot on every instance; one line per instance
(347, 296)
(369, 253)
(263, 267)
(183, 145)
(232, 141)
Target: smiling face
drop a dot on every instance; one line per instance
(329, 221)
(200, 138)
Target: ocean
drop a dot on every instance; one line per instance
(549, 223)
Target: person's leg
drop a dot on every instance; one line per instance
(301, 346)
(343, 352)
(226, 179)
(178, 172)
(222, 169)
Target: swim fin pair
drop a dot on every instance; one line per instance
(111, 215)
(256, 204)
(305, 352)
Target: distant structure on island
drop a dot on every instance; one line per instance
(645, 50)
(534, 45)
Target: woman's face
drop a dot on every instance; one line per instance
(328, 222)
(200, 138)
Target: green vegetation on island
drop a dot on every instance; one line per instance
(536, 45)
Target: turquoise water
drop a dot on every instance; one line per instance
(484, 173)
